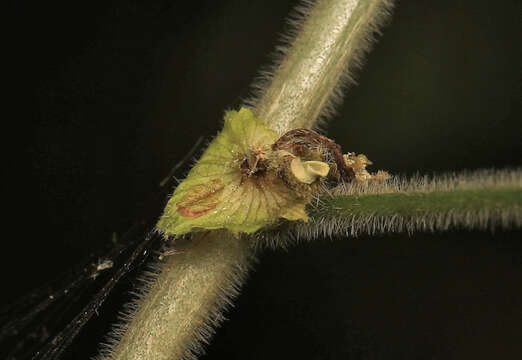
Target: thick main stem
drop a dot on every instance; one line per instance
(178, 309)
(329, 43)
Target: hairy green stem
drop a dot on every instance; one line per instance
(478, 200)
(418, 204)
(329, 43)
(180, 306)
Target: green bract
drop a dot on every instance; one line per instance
(219, 192)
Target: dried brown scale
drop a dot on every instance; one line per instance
(274, 165)
(298, 140)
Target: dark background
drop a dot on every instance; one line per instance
(103, 99)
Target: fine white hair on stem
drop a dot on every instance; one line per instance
(316, 61)
(175, 312)
(482, 178)
(481, 200)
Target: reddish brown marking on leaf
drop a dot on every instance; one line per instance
(187, 212)
(201, 199)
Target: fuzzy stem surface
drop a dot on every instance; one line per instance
(330, 41)
(479, 200)
(180, 307)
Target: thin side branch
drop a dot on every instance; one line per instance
(481, 200)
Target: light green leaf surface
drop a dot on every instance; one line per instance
(218, 193)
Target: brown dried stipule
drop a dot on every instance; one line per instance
(305, 137)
